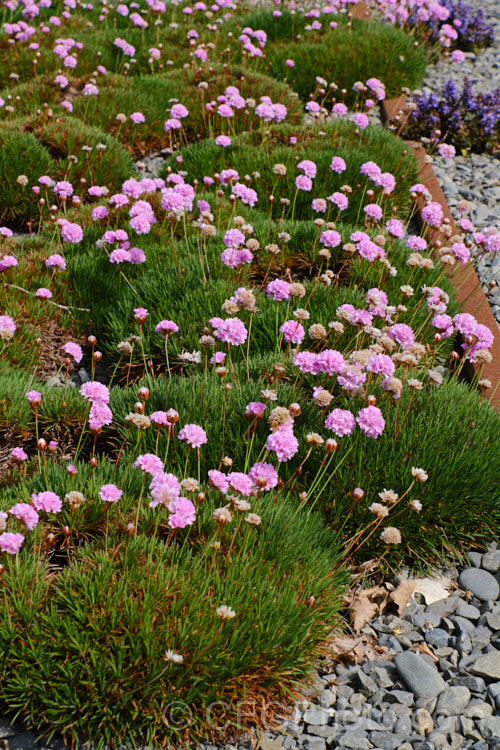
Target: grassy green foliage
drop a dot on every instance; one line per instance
(380, 50)
(18, 153)
(101, 627)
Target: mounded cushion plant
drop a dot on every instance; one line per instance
(368, 49)
(19, 152)
(83, 652)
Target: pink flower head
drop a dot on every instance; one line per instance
(361, 120)
(11, 543)
(306, 362)
(330, 361)
(95, 392)
(461, 252)
(330, 238)
(19, 455)
(465, 324)
(48, 502)
(73, 350)
(319, 205)
(234, 238)
(370, 169)
(341, 422)
(240, 483)
(35, 398)
(166, 327)
(25, 513)
(302, 182)
(264, 476)
(381, 364)
(194, 435)
(140, 315)
(218, 480)
(339, 200)
(283, 442)
(278, 290)
(293, 332)
(43, 293)
(340, 109)
(338, 165)
(110, 493)
(164, 488)
(56, 261)
(72, 233)
(402, 334)
(223, 140)
(308, 167)
(179, 111)
(232, 331)
(371, 421)
(457, 56)
(432, 214)
(255, 409)
(446, 151)
(396, 228)
(183, 513)
(7, 327)
(99, 415)
(137, 117)
(149, 463)
(373, 212)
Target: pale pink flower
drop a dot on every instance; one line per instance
(48, 502)
(110, 493)
(240, 483)
(341, 422)
(11, 543)
(183, 513)
(264, 476)
(371, 421)
(283, 442)
(149, 463)
(25, 513)
(73, 350)
(293, 332)
(194, 435)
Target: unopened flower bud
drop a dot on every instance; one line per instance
(330, 445)
(139, 407)
(92, 340)
(41, 444)
(93, 462)
(130, 529)
(294, 410)
(97, 356)
(371, 400)
(358, 493)
(311, 601)
(143, 393)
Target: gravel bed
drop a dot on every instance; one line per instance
(475, 177)
(407, 701)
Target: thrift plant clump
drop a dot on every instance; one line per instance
(224, 382)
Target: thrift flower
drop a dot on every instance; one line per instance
(110, 493)
(11, 543)
(194, 435)
(371, 421)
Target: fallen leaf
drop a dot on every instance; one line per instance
(362, 610)
(401, 594)
(354, 649)
(432, 589)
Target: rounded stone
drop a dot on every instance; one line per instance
(481, 583)
(421, 678)
(453, 700)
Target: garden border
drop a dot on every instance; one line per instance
(464, 279)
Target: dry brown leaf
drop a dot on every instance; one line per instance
(401, 594)
(362, 610)
(357, 648)
(423, 648)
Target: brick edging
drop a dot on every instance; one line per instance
(463, 279)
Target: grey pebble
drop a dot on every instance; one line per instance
(421, 678)
(482, 584)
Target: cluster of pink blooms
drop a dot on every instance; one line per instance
(73, 350)
(165, 489)
(100, 414)
(342, 421)
(231, 331)
(47, 502)
(283, 442)
(110, 493)
(194, 435)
